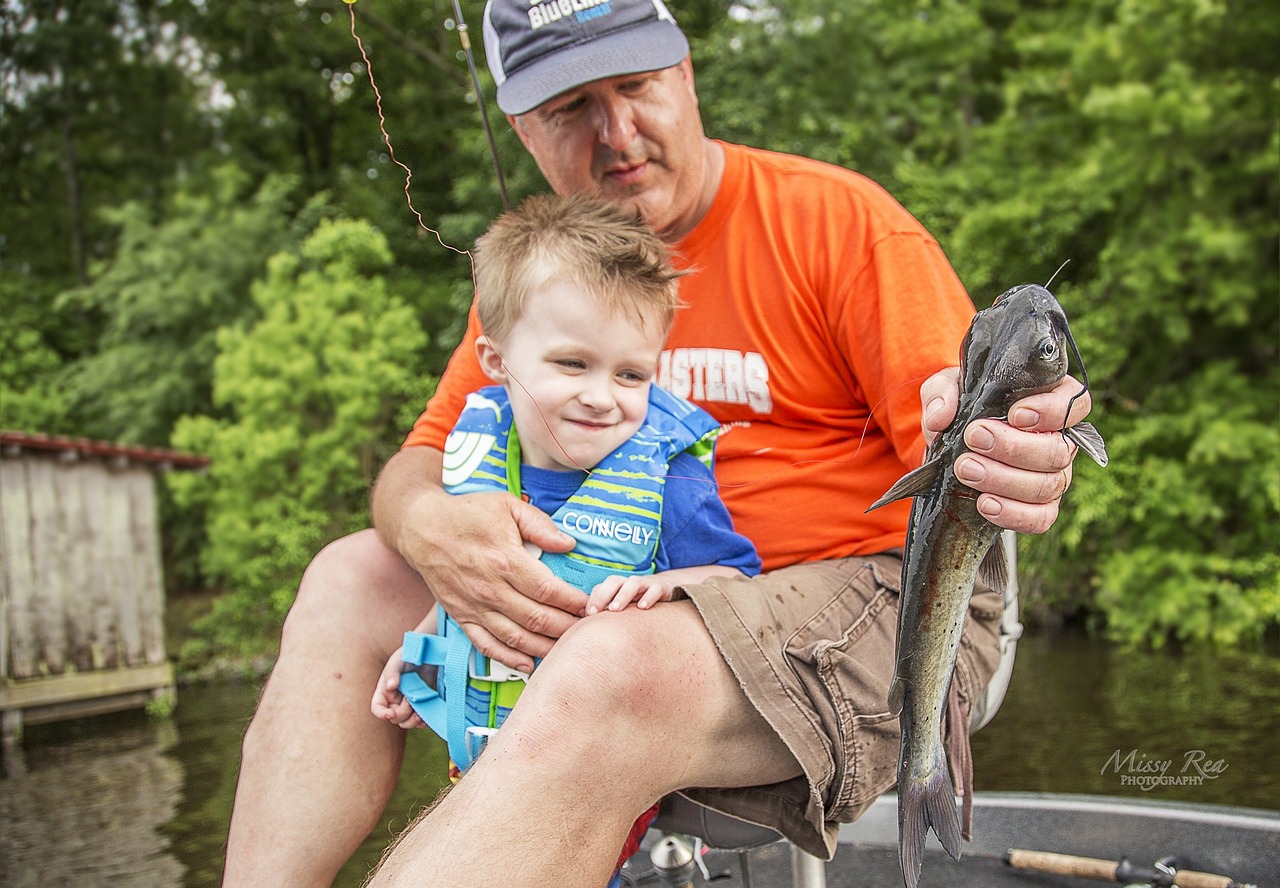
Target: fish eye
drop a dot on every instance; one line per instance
(1048, 349)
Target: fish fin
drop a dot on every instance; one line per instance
(993, 571)
(895, 695)
(923, 804)
(1088, 439)
(915, 483)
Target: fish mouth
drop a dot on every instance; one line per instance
(1039, 390)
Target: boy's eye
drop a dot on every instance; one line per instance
(570, 363)
(633, 376)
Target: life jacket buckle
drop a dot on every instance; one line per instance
(496, 671)
(477, 737)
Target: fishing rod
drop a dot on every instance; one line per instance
(465, 39)
(1163, 874)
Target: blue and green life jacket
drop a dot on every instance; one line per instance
(615, 518)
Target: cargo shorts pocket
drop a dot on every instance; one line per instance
(844, 655)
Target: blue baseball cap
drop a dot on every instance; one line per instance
(537, 49)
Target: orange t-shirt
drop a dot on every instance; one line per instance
(815, 309)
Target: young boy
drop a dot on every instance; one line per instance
(576, 297)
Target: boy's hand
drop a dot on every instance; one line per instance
(388, 703)
(616, 593)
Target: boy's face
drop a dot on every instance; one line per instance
(578, 376)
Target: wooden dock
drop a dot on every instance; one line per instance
(81, 585)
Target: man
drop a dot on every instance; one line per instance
(814, 308)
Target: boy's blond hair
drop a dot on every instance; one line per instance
(602, 248)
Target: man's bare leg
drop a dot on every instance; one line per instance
(627, 708)
(318, 768)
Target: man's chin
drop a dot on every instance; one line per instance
(639, 200)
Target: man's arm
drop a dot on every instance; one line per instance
(1020, 471)
(470, 550)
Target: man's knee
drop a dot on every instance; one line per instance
(357, 581)
(623, 666)
(347, 563)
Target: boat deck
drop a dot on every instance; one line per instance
(854, 867)
(1240, 843)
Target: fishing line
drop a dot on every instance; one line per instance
(386, 138)
(542, 416)
(408, 179)
(408, 175)
(1075, 351)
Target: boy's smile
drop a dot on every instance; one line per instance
(578, 375)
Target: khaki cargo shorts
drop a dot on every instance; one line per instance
(813, 647)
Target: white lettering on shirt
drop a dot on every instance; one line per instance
(717, 375)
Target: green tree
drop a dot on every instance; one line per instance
(28, 397)
(1140, 142)
(94, 110)
(172, 283)
(119, 124)
(1137, 140)
(315, 391)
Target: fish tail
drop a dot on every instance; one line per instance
(923, 804)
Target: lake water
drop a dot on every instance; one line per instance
(126, 801)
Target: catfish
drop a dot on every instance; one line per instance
(1015, 348)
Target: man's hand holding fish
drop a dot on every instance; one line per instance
(1032, 469)
(1013, 387)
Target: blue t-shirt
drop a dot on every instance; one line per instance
(696, 528)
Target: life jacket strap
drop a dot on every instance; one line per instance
(583, 574)
(473, 693)
(466, 718)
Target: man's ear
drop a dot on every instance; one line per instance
(490, 360)
(686, 71)
(518, 126)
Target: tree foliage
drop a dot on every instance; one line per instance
(1164, 197)
(96, 109)
(161, 300)
(314, 391)
(153, 155)
(93, 112)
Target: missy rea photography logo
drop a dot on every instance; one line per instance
(1147, 772)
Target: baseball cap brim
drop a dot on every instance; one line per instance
(646, 47)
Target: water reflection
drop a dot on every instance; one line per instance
(1074, 704)
(124, 800)
(89, 807)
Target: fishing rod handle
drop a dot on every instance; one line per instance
(1104, 870)
(1062, 864)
